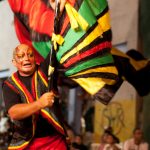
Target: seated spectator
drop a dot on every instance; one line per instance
(137, 142)
(71, 135)
(111, 142)
(104, 138)
(78, 143)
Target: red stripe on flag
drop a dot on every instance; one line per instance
(24, 37)
(93, 50)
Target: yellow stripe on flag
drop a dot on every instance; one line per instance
(100, 69)
(97, 32)
(93, 85)
(75, 18)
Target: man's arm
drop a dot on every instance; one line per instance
(18, 110)
(126, 145)
(21, 111)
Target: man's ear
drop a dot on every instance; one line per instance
(14, 62)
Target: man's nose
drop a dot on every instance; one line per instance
(26, 57)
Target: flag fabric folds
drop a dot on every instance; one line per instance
(84, 55)
(134, 68)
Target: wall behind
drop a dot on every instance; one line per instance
(145, 35)
(8, 39)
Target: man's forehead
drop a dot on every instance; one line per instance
(23, 48)
(138, 131)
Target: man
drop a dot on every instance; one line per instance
(137, 142)
(112, 142)
(78, 143)
(30, 106)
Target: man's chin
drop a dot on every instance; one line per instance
(28, 72)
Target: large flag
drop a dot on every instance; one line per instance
(84, 55)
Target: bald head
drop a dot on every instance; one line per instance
(24, 60)
(20, 47)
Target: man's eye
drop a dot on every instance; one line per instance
(30, 55)
(20, 56)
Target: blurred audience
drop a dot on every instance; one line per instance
(103, 140)
(109, 141)
(71, 135)
(78, 143)
(137, 142)
(112, 142)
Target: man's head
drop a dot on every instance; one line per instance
(111, 138)
(138, 135)
(24, 59)
(78, 139)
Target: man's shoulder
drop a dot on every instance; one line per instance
(129, 141)
(145, 143)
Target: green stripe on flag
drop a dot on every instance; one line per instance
(97, 6)
(91, 63)
(43, 48)
(73, 36)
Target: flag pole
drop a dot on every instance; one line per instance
(52, 59)
(53, 63)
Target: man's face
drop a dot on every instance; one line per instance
(78, 140)
(110, 139)
(24, 60)
(138, 135)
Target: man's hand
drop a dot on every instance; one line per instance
(62, 4)
(46, 100)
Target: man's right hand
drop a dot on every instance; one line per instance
(46, 100)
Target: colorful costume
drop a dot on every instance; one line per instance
(45, 123)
